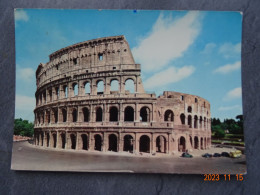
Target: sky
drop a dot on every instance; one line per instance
(194, 52)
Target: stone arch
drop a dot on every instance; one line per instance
(74, 115)
(145, 114)
(65, 90)
(63, 140)
(201, 122)
(84, 139)
(190, 121)
(64, 115)
(98, 142)
(201, 143)
(54, 140)
(75, 89)
(169, 115)
(112, 142)
(196, 142)
(87, 87)
(182, 144)
(42, 138)
(129, 114)
(100, 87)
(189, 109)
(48, 139)
(86, 114)
(48, 116)
(99, 114)
(161, 144)
(130, 85)
(195, 121)
(182, 116)
(144, 144)
(204, 122)
(128, 143)
(114, 85)
(113, 114)
(73, 141)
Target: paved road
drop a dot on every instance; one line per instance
(29, 157)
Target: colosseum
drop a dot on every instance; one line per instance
(78, 109)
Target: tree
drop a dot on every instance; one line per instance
(219, 133)
(23, 127)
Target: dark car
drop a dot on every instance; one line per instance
(225, 154)
(207, 155)
(186, 155)
(216, 155)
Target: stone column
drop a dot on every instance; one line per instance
(105, 142)
(122, 85)
(136, 117)
(77, 141)
(152, 144)
(120, 143)
(106, 86)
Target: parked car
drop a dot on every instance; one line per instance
(225, 154)
(207, 155)
(216, 155)
(235, 154)
(186, 155)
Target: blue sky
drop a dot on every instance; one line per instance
(186, 51)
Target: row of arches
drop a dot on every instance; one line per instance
(195, 121)
(114, 115)
(87, 88)
(59, 140)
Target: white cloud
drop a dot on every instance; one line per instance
(21, 15)
(226, 108)
(170, 75)
(25, 103)
(228, 68)
(168, 40)
(208, 48)
(25, 74)
(234, 94)
(230, 50)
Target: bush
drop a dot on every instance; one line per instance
(23, 127)
(219, 133)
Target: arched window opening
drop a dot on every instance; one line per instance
(98, 142)
(168, 116)
(84, 138)
(100, 87)
(182, 144)
(63, 140)
(145, 114)
(189, 109)
(54, 136)
(74, 115)
(99, 114)
(65, 91)
(204, 122)
(128, 143)
(196, 100)
(114, 86)
(191, 141)
(57, 92)
(100, 56)
(64, 115)
(113, 114)
(201, 122)
(130, 86)
(44, 97)
(50, 95)
(112, 143)
(75, 89)
(48, 117)
(189, 121)
(73, 141)
(195, 121)
(144, 144)
(85, 114)
(42, 138)
(129, 113)
(201, 143)
(55, 115)
(196, 142)
(161, 144)
(87, 88)
(48, 140)
(182, 119)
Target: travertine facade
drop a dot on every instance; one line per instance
(76, 107)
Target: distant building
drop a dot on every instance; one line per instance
(73, 113)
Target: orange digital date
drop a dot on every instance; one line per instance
(227, 177)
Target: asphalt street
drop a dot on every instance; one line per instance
(29, 157)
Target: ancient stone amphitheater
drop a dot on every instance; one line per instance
(90, 97)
